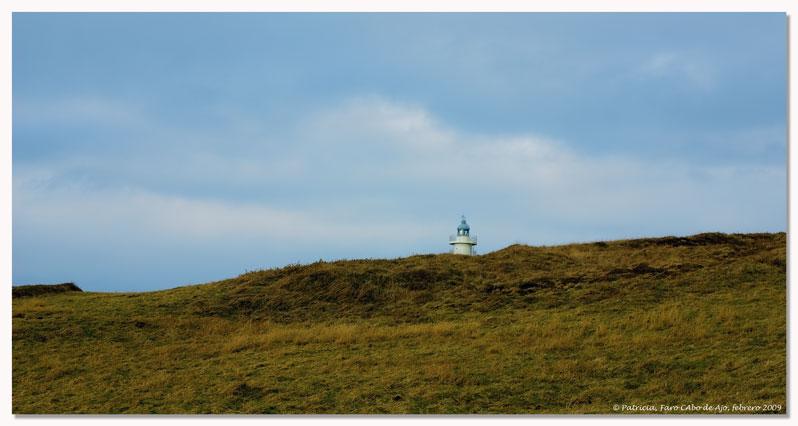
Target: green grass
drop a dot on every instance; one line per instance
(567, 329)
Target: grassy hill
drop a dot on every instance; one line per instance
(569, 329)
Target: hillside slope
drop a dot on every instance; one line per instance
(568, 329)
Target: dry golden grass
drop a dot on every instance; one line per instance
(266, 334)
(571, 329)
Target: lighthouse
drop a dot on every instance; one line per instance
(463, 242)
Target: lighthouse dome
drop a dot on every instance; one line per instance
(463, 225)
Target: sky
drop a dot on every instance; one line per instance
(158, 150)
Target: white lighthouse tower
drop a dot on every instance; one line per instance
(463, 242)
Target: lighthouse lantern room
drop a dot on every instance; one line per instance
(463, 242)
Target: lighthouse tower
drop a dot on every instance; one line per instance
(463, 242)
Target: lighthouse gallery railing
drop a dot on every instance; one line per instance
(453, 238)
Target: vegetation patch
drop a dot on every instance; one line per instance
(42, 289)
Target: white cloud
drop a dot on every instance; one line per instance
(367, 123)
(356, 166)
(125, 212)
(697, 72)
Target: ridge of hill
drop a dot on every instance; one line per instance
(42, 289)
(576, 328)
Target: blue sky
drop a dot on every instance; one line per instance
(156, 150)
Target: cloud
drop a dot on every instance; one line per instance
(680, 66)
(371, 151)
(125, 212)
